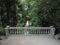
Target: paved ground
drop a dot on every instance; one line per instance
(30, 40)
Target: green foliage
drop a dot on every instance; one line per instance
(27, 11)
(49, 11)
(39, 12)
(1, 28)
(2, 31)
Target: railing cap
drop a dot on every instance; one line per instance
(7, 26)
(51, 26)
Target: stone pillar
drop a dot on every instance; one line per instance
(52, 31)
(7, 31)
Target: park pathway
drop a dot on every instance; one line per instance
(30, 40)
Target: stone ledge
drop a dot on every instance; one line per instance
(57, 36)
(2, 37)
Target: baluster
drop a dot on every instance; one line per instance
(46, 31)
(39, 31)
(21, 31)
(43, 31)
(35, 31)
(9, 31)
(49, 31)
(13, 31)
(16, 31)
(27, 31)
(31, 31)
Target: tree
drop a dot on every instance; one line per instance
(27, 10)
(49, 13)
(8, 12)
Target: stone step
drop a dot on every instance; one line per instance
(2, 37)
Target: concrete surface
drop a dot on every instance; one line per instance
(30, 40)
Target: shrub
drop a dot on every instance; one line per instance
(1, 31)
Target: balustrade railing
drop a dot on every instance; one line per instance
(29, 30)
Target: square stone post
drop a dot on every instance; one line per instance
(7, 31)
(52, 32)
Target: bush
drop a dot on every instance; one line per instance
(1, 31)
